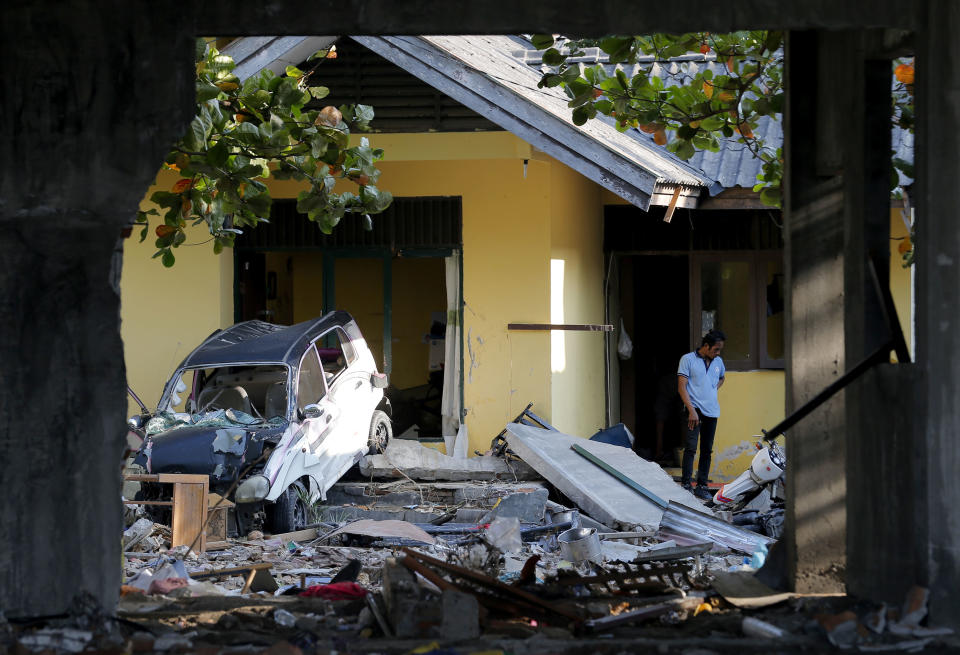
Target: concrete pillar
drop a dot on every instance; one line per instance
(92, 94)
(815, 329)
(937, 482)
(879, 431)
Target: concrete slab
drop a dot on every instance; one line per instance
(404, 458)
(593, 490)
(527, 507)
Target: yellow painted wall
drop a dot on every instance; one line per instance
(506, 253)
(419, 290)
(577, 358)
(901, 279)
(749, 402)
(166, 312)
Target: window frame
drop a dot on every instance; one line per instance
(757, 261)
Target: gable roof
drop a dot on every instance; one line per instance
(481, 73)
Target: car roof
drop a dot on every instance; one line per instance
(257, 342)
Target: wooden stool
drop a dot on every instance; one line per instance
(189, 506)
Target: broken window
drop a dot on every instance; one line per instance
(310, 384)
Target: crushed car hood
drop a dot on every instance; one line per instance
(220, 452)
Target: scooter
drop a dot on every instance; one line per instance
(766, 468)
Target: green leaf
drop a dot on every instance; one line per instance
(770, 196)
(581, 99)
(293, 71)
(552, 57)
(618, 47)
(542, 41)
(206, 91)
(165, 198)
(686, 132)
(195, 139)
(363, 113)
(319, 92)
(218, 154)
(580, 115)
(550, 80)
(168, 258)
(367, 223)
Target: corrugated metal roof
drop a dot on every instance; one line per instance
(731, 166)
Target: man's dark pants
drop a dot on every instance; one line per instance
(704, 431)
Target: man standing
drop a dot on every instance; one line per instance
(699, 376)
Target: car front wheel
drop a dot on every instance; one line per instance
(289, 512)
(381, 432)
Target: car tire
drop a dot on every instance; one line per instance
(381, 432)
(289, 512)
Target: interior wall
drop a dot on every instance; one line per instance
(419, 291)
(358, 289)
(307, 285)
(280, 266)
(576, 240)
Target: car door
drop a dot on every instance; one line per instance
(319, 431)
(350, 388)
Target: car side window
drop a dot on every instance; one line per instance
(336, 352)
(310, 384)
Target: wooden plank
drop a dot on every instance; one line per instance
(588, 327)
(299, 535)
(183, 477)
(233, 570)
(141, 478)
(190, 514)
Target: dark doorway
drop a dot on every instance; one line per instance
(654, 297)
(251, 294)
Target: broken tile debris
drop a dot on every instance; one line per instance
(409, 555)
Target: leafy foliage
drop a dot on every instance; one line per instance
(724, 85)
(731, 81)
(246, 132)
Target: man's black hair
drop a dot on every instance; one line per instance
(712, 337)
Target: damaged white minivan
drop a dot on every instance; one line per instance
(275, 415)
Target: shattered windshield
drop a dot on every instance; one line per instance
(252, 390)
(220, 418)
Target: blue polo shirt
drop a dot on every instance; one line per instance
(702, 380)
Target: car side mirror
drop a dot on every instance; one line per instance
(312, 411)
(379, 380)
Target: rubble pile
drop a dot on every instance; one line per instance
(618, 558)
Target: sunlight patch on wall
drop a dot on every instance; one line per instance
(558, 354)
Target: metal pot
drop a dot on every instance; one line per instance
(580, 544)
(571, 515)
